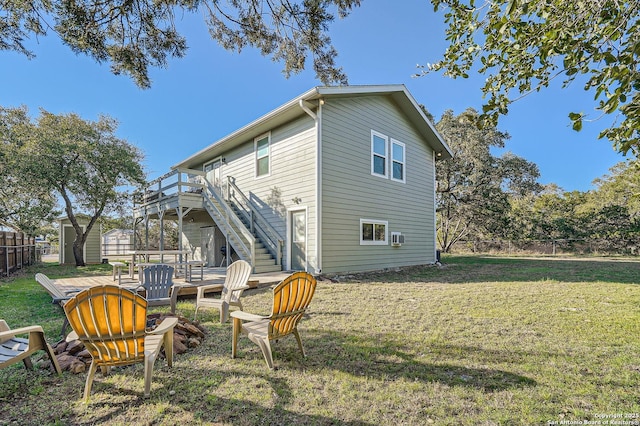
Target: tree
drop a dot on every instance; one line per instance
(83, 162)
(473, 188)
(610, 213)
(613, 208)
(138, 34)
(108, 223)
(27, 210)
(522, 46)
(620, 187)
(23, 208)
(550, 214)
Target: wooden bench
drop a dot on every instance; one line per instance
(117, 267)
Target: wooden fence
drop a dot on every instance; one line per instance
(16, 251)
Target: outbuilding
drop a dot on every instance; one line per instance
(68, 236)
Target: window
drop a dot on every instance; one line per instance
(373, 232)
(397, 160)
(378, 154)
(263, 149)
(388, 157)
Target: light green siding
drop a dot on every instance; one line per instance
(350, 192)
(192, 235)
(292, 176)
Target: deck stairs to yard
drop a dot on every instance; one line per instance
(238, 224)
(251, 236)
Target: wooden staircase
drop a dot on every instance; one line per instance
(241, 236)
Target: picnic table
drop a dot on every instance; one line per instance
(187, 266)
(139, 257)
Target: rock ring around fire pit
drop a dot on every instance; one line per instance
(74, 357)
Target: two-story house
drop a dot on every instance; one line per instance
(339, 179)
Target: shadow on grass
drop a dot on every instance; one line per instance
(386, 359)
(470, 269)
(179, 397)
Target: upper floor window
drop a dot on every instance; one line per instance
(397, 160)
(388, 157)
(378, 154)
(263, 151)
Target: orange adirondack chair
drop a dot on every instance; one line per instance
(111, 322)
(290, 301)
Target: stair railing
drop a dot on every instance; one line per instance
(258, 225)
(242, 240)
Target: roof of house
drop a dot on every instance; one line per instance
(293, 109)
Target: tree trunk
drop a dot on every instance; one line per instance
(78, 250)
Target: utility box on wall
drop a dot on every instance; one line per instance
(68, 236)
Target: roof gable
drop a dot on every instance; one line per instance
(293, 109)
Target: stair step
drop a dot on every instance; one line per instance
(259, 269)
(263, 261)
(260, 257)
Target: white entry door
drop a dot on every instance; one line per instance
(299, 240)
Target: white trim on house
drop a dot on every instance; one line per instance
(373, 241)
(319, 188)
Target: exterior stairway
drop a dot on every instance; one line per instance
(236, 226)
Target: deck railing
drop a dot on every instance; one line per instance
(176, 182)
(189, 181)
(230, 224)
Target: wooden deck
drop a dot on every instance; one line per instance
(211, 276)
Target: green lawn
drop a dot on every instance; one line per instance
(481, 340)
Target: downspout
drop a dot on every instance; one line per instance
(435, 208)
(306, 109)
(317, 118)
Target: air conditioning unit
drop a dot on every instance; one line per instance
(397, 239)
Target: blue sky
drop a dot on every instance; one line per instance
(211, 92)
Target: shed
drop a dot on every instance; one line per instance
(117, 241)
(68, 235)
